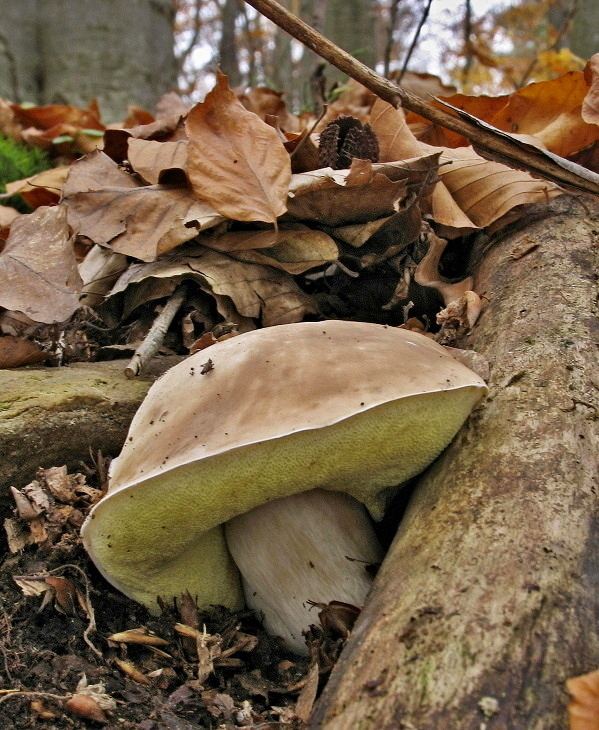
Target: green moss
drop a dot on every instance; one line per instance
(17, 161)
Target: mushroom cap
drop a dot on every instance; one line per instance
(344, 406)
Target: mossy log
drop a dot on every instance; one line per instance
(488, 599)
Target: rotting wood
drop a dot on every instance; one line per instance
(488, 141)
(489, 596)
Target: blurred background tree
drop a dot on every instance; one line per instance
(71, 51)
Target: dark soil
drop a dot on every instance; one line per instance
(57, 614)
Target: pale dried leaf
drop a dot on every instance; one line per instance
(486, 191)
(590, 105)
(293, 250)
(340, 197)
(143, 222)
(17, 351)
(42, 189)
(297, 252)
(151, 159)
(258, 292)
(99, 270)
(38, 269)
(236, 162)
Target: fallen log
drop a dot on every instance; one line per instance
(488, 599)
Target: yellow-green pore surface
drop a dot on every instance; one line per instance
(164, 535)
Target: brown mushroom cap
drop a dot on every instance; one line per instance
(344, 406)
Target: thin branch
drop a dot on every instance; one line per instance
(423, 19)
(487, 140)
(393, 12)
(155, 337)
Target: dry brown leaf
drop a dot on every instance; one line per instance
(583, 710)
(473, 192)
(152, 159)
(236, 162)
(46, 117)
(590, 105)
(38, 270)
(340, 197)
(17, 351)
(296, 252)
(487, 191)
(108, 206)
(45, 188)
(551, 112)
(258, 292)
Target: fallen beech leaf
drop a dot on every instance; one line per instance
(38, 270)
(590, 105)
(45, 117)
(486, 191)
(45, 188)
(108, 206)
(256, 291)
(152, 159)
(583, 710)
(293, 250)
(340, 197)
(236, 162)
(296, 252)
(473, 192)
(17, 351)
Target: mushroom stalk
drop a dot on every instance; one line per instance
(315, 546)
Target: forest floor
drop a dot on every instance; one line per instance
(60, 668)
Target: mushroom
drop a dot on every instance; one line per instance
(287, 439)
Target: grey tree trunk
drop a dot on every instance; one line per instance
(584, 36)
(489, 597)
(72, 51)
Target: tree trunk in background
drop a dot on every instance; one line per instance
(489, 597)
(228, 60)
(584, 36)
(72, 51)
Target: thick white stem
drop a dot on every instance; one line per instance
(315, 546)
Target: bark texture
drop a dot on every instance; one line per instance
(489, 597)
(72, 51)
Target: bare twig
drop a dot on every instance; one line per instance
(155, 337)
(487, 140)
(423, 19)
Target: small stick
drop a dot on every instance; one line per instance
(488, 141)
(155, 337)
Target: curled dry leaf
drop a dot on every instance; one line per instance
(42, 189)
(583, 710)
(293, 250)
(236, 162)
(151, 159)
(590, 105)
(38, 270)
(473, 192)
(340, 197)
(17, 351)
(108, 206)
(257, 291)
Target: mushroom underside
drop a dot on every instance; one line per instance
(165, 536)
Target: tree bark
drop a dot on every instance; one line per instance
(488, 599)
(72, 51)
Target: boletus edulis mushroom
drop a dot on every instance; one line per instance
(267, 464)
